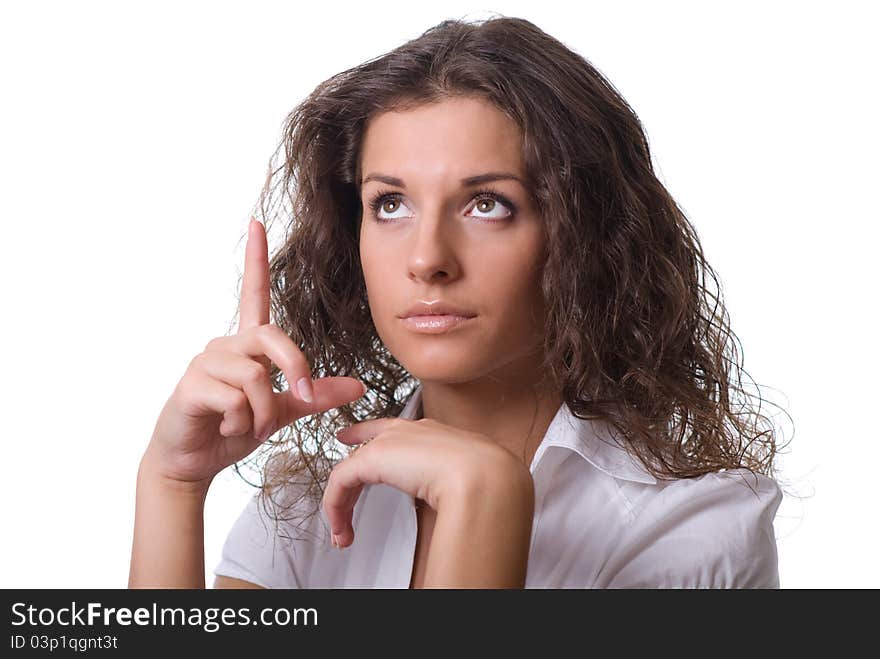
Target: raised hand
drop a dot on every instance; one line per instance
(224, 407)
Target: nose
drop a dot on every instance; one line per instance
(432, 250)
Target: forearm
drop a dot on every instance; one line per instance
(168, 550)
(482, 540)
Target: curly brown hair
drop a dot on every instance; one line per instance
(633, 335)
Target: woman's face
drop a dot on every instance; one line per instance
(436, 239)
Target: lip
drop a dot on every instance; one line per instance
(436, 323)
(436, 308)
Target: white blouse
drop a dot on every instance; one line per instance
(601, 521)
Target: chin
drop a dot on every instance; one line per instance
(443, 374)
(443, 368)
(450, 359)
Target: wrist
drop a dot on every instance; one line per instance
(151, 477)
(482, 533)
(501, 482)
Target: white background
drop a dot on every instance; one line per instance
(133, 142)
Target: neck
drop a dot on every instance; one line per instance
(515, 417)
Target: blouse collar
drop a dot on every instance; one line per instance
(593, 440)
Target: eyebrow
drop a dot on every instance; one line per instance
(466, 182)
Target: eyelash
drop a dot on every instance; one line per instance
(379, 198)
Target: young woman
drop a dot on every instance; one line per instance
(486, 289)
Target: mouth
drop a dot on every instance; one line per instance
(436, 323)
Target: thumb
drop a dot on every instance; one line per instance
(329, 393)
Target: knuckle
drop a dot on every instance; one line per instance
(266, 331)
(215, 343)
(368, 446)
(250, 333)
(331, 494)
(185, 388)
(397, 425)
(275, 333)
(238, 401)
(195, 363)
(267, 430)
(256, 373)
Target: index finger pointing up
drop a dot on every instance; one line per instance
(254, 310)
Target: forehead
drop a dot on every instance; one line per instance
(452, 137)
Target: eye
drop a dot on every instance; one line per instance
(380, 199)
(486, 201)
(493, 200)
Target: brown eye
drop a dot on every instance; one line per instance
(488, 201)
(379, 204)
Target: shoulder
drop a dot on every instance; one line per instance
(712, 531)
(737, 492)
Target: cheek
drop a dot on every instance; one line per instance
(513, 288)
(369, 256)
(378, 276)
(512, 269)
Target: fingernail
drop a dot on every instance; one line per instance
(304, 387)
(365, 388)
